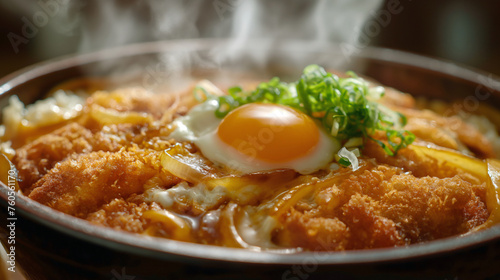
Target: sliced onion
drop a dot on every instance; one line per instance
(244, 189)
(471, 165)
(178, 228)
(249, 228)
(494, 191)
(354, 142)
(256, 228)
(188, 166)
(305, 185)
(288, 199)
(229, 232)
(492, 194)
(206, 87)
(8, 173)
(353, 159)
(254, 187)
(107, 116)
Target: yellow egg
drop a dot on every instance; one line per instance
(258, 137)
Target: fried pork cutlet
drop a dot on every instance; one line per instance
(122, 214)
(81, 184)
(382, 207)
(131, 215)
(101, 170)
(35, 159)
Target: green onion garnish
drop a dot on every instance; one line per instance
(345, 106)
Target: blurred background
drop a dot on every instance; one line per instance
(465, 32)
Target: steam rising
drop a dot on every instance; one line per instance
(113, 23)
(256, 24)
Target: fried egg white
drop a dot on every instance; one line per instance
(258, 137)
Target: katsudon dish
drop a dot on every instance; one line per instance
(327, 162)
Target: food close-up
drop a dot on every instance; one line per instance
(147, 140)
(326, 161)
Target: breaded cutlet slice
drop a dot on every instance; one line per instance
(382, 207)
(80, 185)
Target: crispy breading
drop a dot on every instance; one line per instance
(35, 159)
(81, 184)
(382, 207)
(431, 208)
(120, 214)
(313, 232)
(133, 215)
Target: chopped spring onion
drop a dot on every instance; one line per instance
(345, 106)
(354, 142)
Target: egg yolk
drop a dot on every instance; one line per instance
(269, 132)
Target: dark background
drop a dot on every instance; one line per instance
(465, 32)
